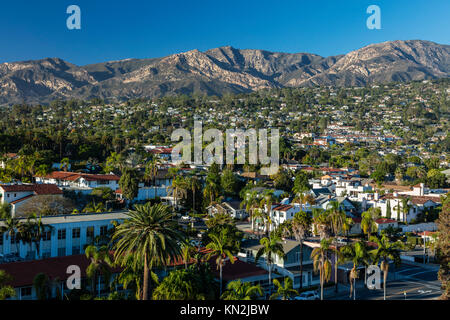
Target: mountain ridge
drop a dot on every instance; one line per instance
(220, 70)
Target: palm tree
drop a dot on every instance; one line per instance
(195, 185)
(358, 254)
(271, 247)
(43, 286)
(300, 198)
(151, 172)
(259, 217)
(301, 224)
(211, 190)
(219, 247)
(321, 222)
(178, 285)
(151, 236)
(93, 207)
(322, 263)
(38, 232)
(131, 275)
(405, 208)
(368, 224)
(386, 251)
(238, 290)
(6, 291)
(65, 163)
(42, 171)
(347, 226)
(337, 216)
(267, 200)
(11, 225)
(284, 291)
(101, 264)
(178, 189)
(187, 253)
(250, 203)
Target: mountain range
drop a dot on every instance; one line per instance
(220, 70)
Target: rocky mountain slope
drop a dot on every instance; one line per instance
(220, 70)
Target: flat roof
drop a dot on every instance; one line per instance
(82, 217)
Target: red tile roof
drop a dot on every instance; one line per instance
(239, 270)
(73, 176)
(38, 189)
(384, 220)
(24, 272)
(283, 207)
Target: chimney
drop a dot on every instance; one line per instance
(376, 196)
(422, 189)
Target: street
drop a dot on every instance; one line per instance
(419, 282)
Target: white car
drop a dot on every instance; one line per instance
(308, 295)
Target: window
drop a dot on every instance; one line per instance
(76, 250)
(47, 236)
(90, 232)
(61, 234)
(1, 239)
(61, 252)
(103, 230)
(25, 292)
(76, 233)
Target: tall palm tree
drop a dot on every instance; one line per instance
(39, 229)
(347, 226)
(270, 248)
(211, 190)
(220, 249)
(337, 217)
(358, 254)
(285, 290)
(321, 222)
(386, 251)
(101, 264)
(187, 252)
(301, 225)
(406, 206)
(194, 185)
(151, 236)
(238, 290)
(266, 203)
(11, 225)
(368, 224)
(178, 189)
(151, 172)
(250, 203)
(322, 263)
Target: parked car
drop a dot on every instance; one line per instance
(308, 295)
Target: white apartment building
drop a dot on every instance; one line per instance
(68, 236)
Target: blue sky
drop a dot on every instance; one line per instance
(114, 30)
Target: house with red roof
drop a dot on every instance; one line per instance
(19, 195)
(384, 223)
(80, 181)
